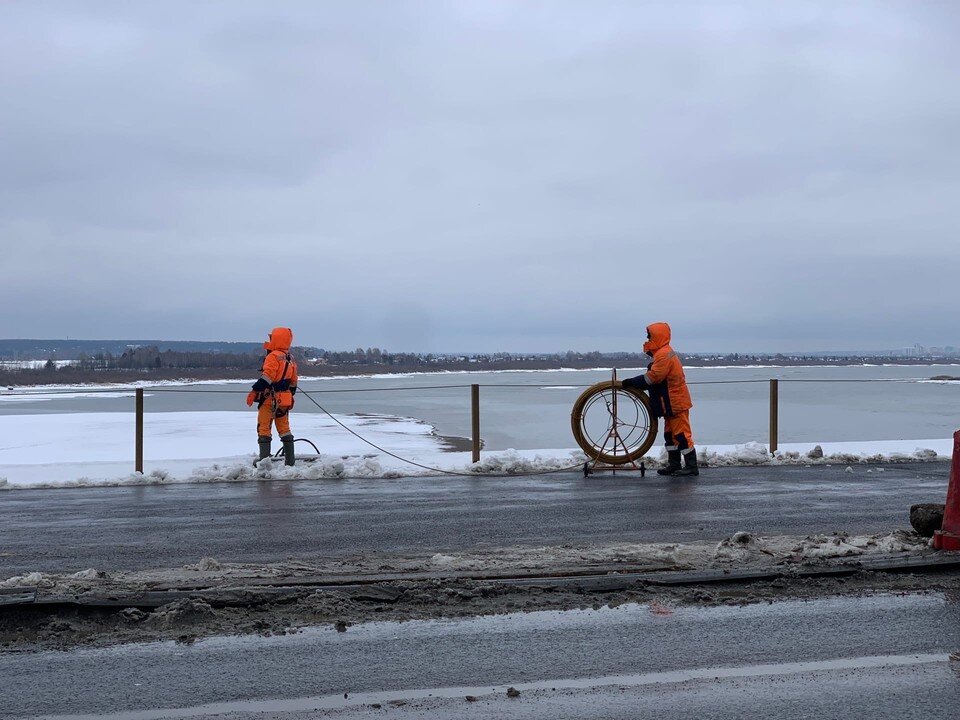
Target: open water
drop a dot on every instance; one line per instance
(527, 410)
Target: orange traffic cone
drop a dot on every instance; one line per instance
(948, 538)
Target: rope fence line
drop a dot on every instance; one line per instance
(139, 393)
(245, 390)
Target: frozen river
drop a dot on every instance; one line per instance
(528, 410)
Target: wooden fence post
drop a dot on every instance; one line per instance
(139, 441)
(475, 416)
(774, 414)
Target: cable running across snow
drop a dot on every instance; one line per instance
(427, 467)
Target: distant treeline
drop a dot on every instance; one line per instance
(31, 349)
(150, 363)
(152, 358)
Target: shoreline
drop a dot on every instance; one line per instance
(380, 375)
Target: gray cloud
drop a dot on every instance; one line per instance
(482, 176)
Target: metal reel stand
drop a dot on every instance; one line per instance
(614, 427)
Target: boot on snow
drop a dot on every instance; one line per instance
(264, 443)
(690, 461)
(673, 463)
(289, 457)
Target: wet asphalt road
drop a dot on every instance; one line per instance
(170, 526)
(836, 640)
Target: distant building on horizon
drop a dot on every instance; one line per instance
(919, 350)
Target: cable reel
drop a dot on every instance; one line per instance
(613, 425)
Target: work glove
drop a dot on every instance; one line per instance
(251, 398)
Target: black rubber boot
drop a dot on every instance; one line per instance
(289, 457)
(673, 463)
(264, 443)
(690, 461)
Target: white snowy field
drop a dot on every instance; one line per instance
(91, 449)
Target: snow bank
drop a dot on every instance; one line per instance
(515, 462)
(744, 548)
(836, 453)
(90, 574)
(95, 449)
(740, 547)
(33, 579)
(839, 545)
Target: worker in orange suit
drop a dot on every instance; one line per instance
(274, 393)
(669, 399)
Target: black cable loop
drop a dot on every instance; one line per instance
(309, 442)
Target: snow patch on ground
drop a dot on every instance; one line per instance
(842, 545)
(829, 453)
(33, 579)
(740, 547)
(823, 547)
(90, 574)
(207, 564)
(631, 556)
(514, 462)
(376, 465)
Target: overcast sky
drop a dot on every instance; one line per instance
(473, 176)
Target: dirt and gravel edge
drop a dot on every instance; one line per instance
(98, 609)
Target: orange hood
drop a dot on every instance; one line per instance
(659, 336)
(280, 339)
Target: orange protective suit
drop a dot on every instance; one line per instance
(667, 386)
(274, 391)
